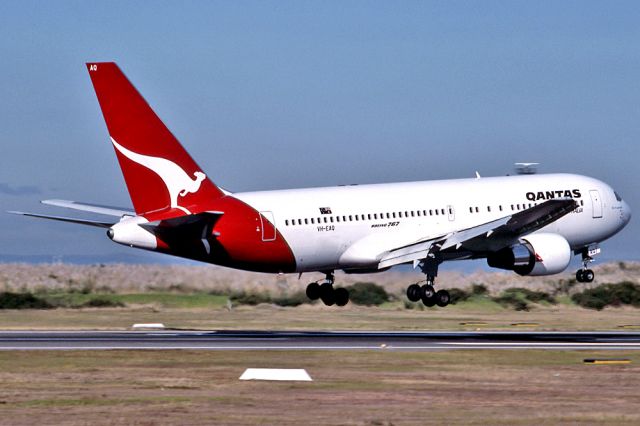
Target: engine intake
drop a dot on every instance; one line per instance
(536, 254)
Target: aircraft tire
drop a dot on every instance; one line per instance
(588, 275)
(429, 301)
(313, 291)
(427, 292)
(413, 292)
(327, 294)
(341, 296)
(580, 275)
(443, 298)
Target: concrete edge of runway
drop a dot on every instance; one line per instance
(316, 340)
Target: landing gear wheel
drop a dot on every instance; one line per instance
(429, 301)
(327, 294)
(442, 298)
(588, 275)
(580, 275)
(313, 291)
(413, 292)
(427, 292)
(341, 296)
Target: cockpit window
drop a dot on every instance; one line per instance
(618, 197)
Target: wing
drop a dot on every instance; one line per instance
(487, 237)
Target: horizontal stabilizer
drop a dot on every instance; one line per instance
(67, 219)
(93, 208)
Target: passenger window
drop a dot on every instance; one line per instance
(286, 222)
(337, 218)
(489, 209)
(350, 218)
(299, 221)
(331, 219)
(312, 221)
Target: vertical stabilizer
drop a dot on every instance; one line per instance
(160, 174)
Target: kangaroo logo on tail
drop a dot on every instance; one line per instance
(177, 181)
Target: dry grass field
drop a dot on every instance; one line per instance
(180, 297)
(380, 387)
(349, 388)
(122, 278)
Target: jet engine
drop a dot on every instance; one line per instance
(536, 254)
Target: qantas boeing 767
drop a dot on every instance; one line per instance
(530, 224)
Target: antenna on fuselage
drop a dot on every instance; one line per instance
(526, 168)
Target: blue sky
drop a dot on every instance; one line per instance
(280, 94)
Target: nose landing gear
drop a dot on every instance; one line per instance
(585, 275)
(326, 292)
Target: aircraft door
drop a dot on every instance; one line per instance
(596, 203)
(452, 213)
(267, 222)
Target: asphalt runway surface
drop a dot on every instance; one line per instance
(315, 340)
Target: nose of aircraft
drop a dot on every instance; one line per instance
(626, 213)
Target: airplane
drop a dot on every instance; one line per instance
(531, 224)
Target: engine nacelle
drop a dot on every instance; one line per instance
(536, 254)
(129, 233)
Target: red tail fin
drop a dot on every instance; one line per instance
(160, 174)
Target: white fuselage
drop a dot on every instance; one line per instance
(350, 226)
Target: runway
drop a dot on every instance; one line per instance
(315, 340)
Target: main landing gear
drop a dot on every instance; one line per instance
(426, 292)
(330, 296)
(585, 275)
(429, 296)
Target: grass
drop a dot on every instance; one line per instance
(212, 313)
(165, 300)
(362, 388)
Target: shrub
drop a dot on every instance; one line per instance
(458, 295)
(513, 300)
(478, 289)
(10, 300)
(624, 293)
(368, 294)
(102, 302)
(242, 298)
(295, 299)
